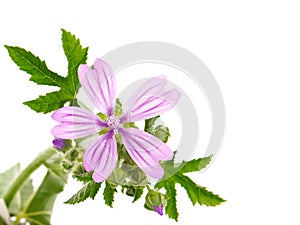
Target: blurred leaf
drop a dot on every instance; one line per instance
(22, 196)
(54, 164)
(38, 210)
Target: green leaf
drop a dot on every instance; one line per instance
(197, 193)
(7, 178)
(195, 165)
(149, 124)
(22, 196)
(49, 102)
(34, 66)
(108, 194)
(76, 55)
(118, 176)
(89, 190)
(81, 175)
(160, 131)
(171, 208)
(40, 74)
(39, 207)
(138, 193)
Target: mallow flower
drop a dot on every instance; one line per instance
(150, 99)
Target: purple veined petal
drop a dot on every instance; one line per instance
(99, 85)
(152, 86)
(75, 123)
(146, 150)
(154, 105)
(101, 156)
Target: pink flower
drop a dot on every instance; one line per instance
(159, 209)
(101, 156)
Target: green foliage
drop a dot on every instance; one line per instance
(138, 192)
(108, 194)
(42, 75)
(76, 55)
(196, 193)
(54, 164)
(149, 124)
(118, 108)
(22, 196)
(160, 131)
(154, 198)
(133, 191)
(89, 190)
(34, 66)
(195, 165)
(171, 207)
(49, 102)
(39, 208)
(81, 175)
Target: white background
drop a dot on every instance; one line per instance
(253, 50)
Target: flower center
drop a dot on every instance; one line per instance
(113, 122)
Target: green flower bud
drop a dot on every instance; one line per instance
(154, 198)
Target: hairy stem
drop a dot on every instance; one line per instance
(24, 175)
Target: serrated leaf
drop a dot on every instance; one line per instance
(197, 193)
(89, 190)
(49, 102)
(138, 193)
(171, 207)
(38, 209)
(81, 175)
(76, 55)
(195, 165)
(40, 74)
(108, 194)
(34, 66)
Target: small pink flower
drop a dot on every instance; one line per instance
(159, 209)
(59, 143)
(101, 156)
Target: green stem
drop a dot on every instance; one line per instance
(24, 175)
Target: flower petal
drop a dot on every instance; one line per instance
(150, 100)
(146, 150)
(101, 156)
(99, 85)
(75, 123)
